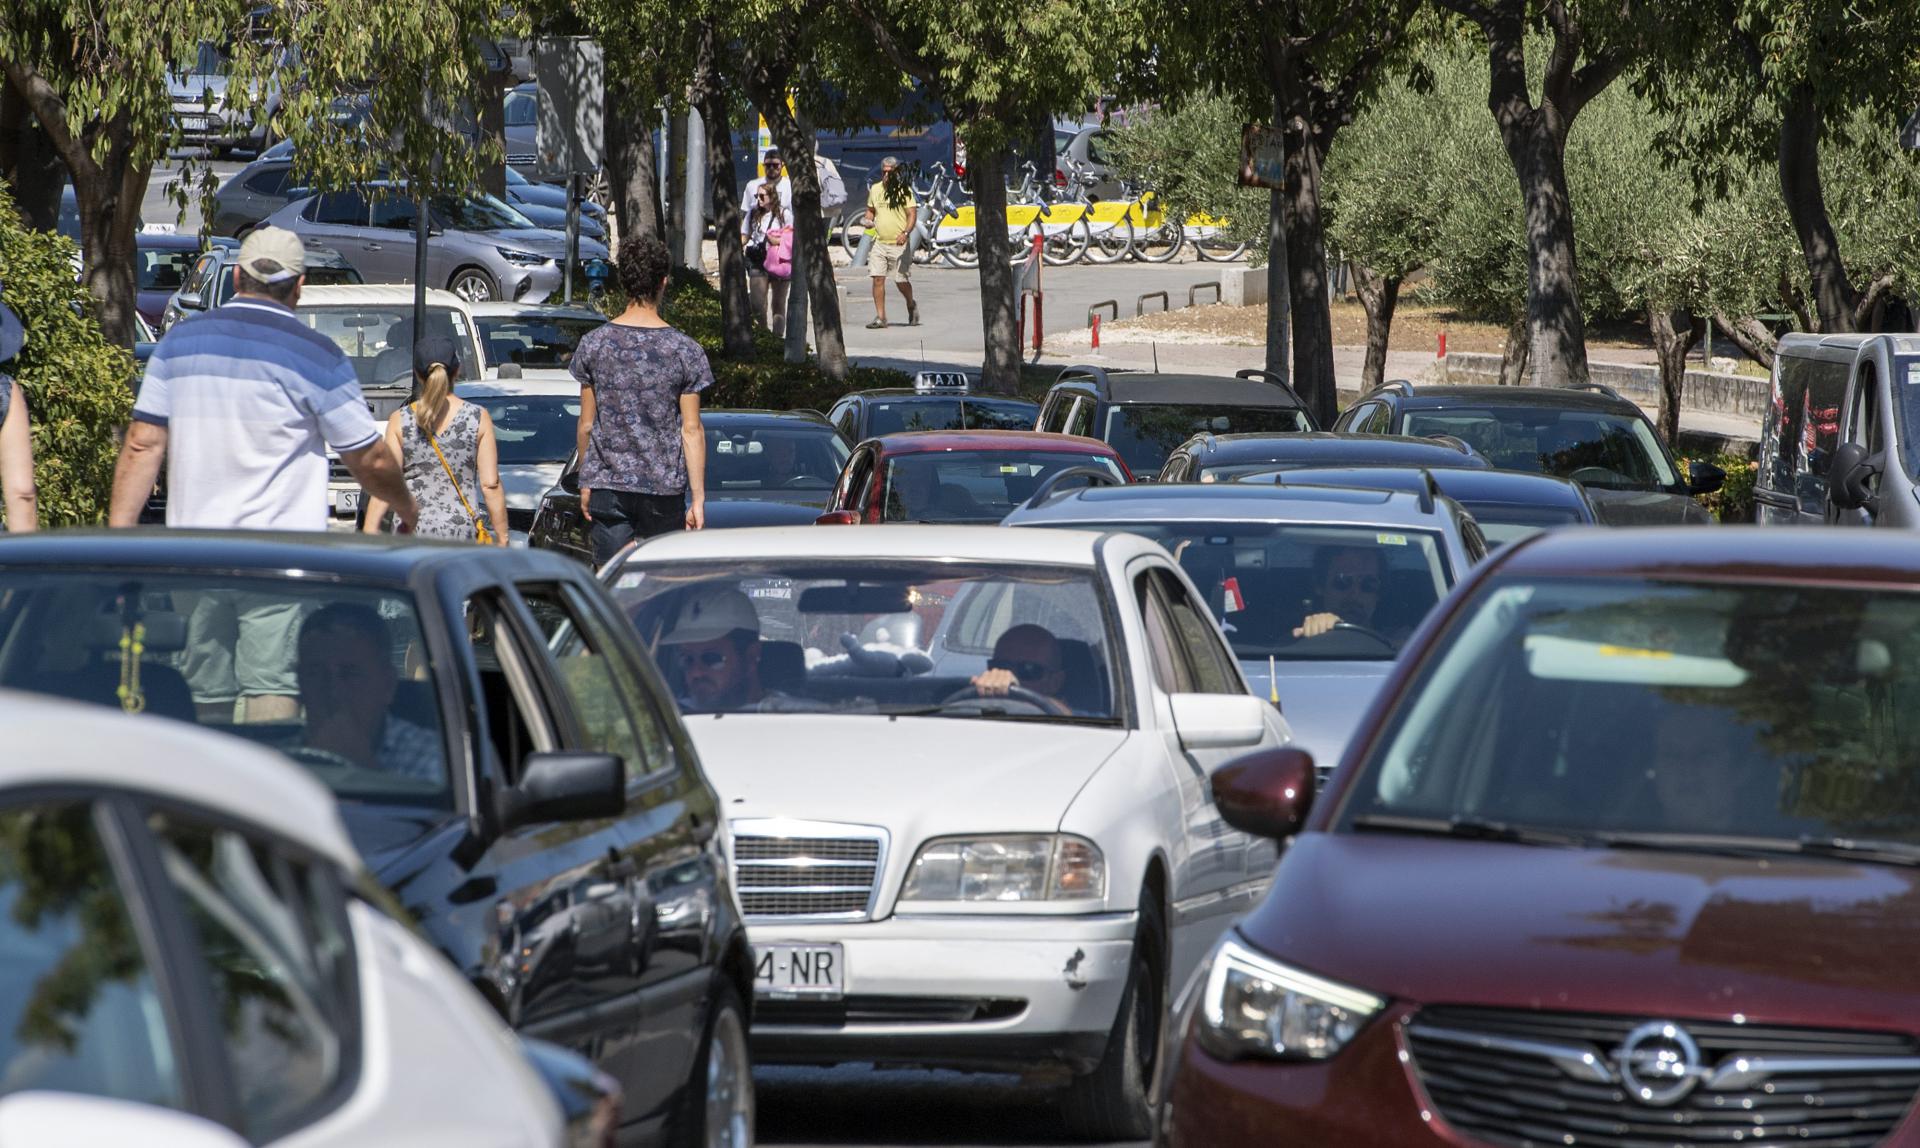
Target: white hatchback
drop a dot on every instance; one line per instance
(189, 960)
(967, 776)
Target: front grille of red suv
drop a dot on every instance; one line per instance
(1522, 1078)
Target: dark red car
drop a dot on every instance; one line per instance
(1627, 852)
(959, 476)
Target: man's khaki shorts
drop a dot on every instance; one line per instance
(889, 260)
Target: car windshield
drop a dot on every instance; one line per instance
(378, 337)
(342, 274)
(1146, 433)
(1266, 581)
(1616, 452)
(208, 60)
(335, 677)
(977, 486)
(1667, 709)
(478, 213)
(519, 109)
(877, 637)
(774, 458)
(891, 416)
(532, 428)
(539, 341)
(164, 268)
(1504, 522)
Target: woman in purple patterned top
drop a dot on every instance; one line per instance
(643, 452)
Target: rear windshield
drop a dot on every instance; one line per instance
(1504, 522)
(891, 416)
(532, 429)
(1146, 433)
(976, 486)
(538, 341)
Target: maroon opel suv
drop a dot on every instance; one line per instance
(1626, 853)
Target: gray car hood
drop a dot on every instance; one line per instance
(1645, 508)
(1322, 701)
(526, 482)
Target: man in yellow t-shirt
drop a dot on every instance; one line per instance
(890, 213)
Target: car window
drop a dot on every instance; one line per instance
(516, 719)
(1209, 664)
(1770, 712)
(1610, 451)
(977, 486)
(544, 342)
(1802, 429)
(378, 337)
(201, 277)
(340, 208)
(1170, 670)
(477, 213)
(395, 213)
(846, 419)
(1098, 149)
(897, 637)
(748, 460)
(1080, 419)
(1370, 418)
(1905, 387)
(271, 181)
(162, 269)
(987, 414)
(79, 1011)
(274, 937)
(1145, 433)
(531, 429)
(890, 416)
(520, 108)
(607, 695)
(334, 676)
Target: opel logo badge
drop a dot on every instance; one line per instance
(1659, 1063)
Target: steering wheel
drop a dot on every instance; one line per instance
(1595, 474)
(1386, 643)
(1021, 694)
(802, 480)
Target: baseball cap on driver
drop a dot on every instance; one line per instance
(273, 255)
(711, 612)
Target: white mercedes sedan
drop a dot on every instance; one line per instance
(967, 778)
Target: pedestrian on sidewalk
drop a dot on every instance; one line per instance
(448, 452)
(19, 499)
(242, 403)
(641, 447)
(769, 254)
(776, 178)
(890, 213)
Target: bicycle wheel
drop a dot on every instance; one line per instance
(851, 230)
(1160, 244)
(1067, 245)
(962, 253)
(1111, 244)
(1216, 249)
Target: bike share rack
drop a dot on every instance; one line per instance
(1140, 304)
(1213, 283)
(1093, 318)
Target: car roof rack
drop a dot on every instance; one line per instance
(1397, 386)
(1095, 476)
(1593, 386)
(1454, 441)
(1095, 375)
(1429, 490)
(1276, 380)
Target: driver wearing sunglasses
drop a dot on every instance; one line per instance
(1026, 657)
(1346, 588)
(714, 647)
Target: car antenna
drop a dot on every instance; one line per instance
(1156, 357)
(1273, 681)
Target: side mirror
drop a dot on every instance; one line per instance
(1847, 477)
(1267, 794)
(566, 786)
(69, 1120)
(1219, 721)
(838, 518)
(1705, 478)
(191, 301)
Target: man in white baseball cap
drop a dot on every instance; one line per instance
(714, 643)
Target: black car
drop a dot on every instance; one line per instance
(1589, 434)
(1145, 417)
(1222, 458)
(506, 759)
(1508, 506)
(764, 468)
(862, 415)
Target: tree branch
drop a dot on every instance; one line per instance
(1754, 340)
(909, 62)
(51, 111)
(1478, 13)
(1869, 297)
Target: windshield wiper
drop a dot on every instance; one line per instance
(1470, 828)
(1896, 852)
(1726, 845)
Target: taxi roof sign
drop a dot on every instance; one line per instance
(941, 382)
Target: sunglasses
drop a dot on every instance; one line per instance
(1368, 583)
(711, 659)
(1025, 671)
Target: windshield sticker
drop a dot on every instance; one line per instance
(1913, 373)
(781, 592)
(1633, 652)
(1004, 469)
(1390, 539)
(629, 581)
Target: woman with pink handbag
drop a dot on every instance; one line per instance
(769, 259)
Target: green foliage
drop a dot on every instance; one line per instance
(78, 387)
(1733, 502)
(1383, 195)
(1189, 154)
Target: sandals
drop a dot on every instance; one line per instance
(913, 315)
(876, 325)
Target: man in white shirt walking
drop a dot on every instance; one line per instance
(777, 176)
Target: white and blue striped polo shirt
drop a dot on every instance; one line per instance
(251, 398)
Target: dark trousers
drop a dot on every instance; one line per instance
(621, 516)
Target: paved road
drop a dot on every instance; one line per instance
(159, 208)
(809, 1107)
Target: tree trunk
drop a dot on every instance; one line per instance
(1312, 316)
(986, 170)
(28, 162)
(1674, 334)
(1279, 313)
(675, 182)
(1380, 296)
(109, 213)
(736, 320)
(811, 254)
(1800, 187)
(1556, 329)
(630, 163)
(493, 126)
(1750, 335)
(1515, 355)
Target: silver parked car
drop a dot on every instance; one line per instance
(198, 96)
(479, 248)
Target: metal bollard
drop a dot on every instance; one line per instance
(1140, 304)
(1213, 283)
(1096, 332)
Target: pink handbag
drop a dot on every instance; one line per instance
(780, 253)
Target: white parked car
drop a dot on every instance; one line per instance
(968, 775)
(189, 955)
(535, 425)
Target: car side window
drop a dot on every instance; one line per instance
(1080, 418)
(202, 277)
(516, 720)
(79, 1009)
(606, 693)
(1170, 671)
(394, 213)
(273, 932)
(1472, 539)
(1210, 664)
(272, 181)
(1371, 418)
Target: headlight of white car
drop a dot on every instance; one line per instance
(1254, 1006)
(1036, 867)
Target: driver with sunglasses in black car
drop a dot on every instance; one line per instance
(1346, 589)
